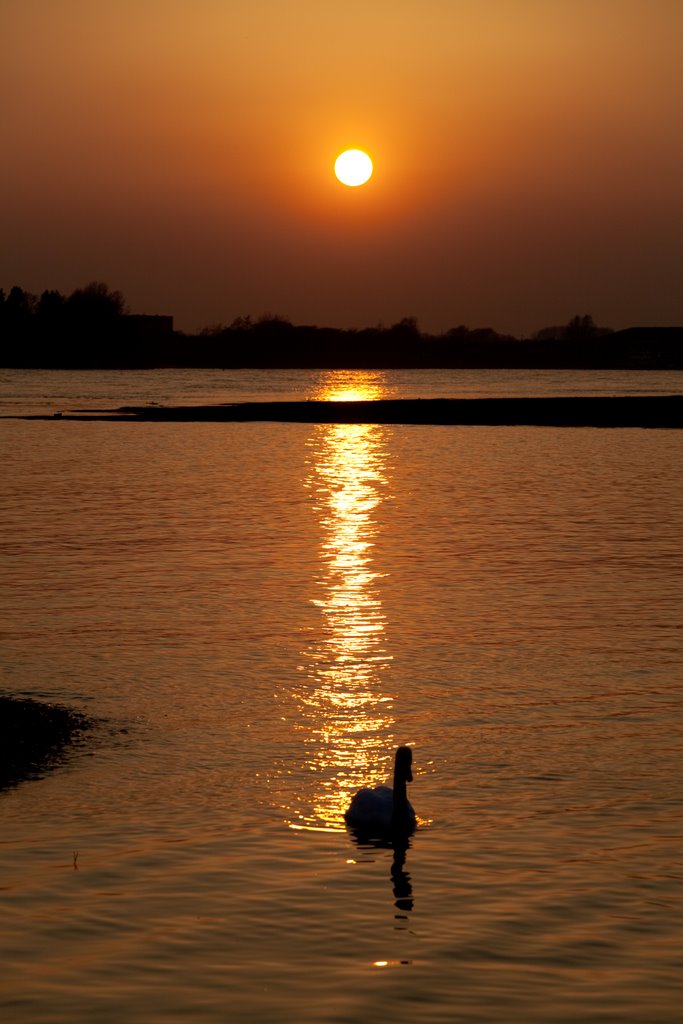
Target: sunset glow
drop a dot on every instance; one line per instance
(187, 155)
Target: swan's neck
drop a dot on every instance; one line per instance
(400, 795)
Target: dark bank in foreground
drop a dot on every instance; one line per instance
(647, 411)
(33, 736)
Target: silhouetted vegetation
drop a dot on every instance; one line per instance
(33, 735)
(91, 328)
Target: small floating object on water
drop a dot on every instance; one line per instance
(385, 809)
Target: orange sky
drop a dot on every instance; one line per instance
(528, 158)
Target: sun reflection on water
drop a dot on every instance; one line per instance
(352, 386)
(344, 711)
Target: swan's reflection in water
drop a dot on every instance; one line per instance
(403, 890)
(343, 712)
(401, 885)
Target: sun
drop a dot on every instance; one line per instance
(353, 167)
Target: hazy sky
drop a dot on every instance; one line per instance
(528, 158)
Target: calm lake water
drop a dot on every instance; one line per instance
(256, 615)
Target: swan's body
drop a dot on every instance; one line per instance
(385, 809)
(374, 808)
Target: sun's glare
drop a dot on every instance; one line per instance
(351, 386)
(353, 167)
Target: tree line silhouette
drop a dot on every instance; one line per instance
(93, 328)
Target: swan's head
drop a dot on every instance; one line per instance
(403, 763)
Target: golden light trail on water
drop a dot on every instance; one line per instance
(345, 712)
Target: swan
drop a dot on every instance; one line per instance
(383, 808)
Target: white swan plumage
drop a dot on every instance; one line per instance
(385, 808)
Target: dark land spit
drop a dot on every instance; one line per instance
(33, 736)
(660, 411)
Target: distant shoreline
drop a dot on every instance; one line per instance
(646, 411)
(33, 736)
(92, 329)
